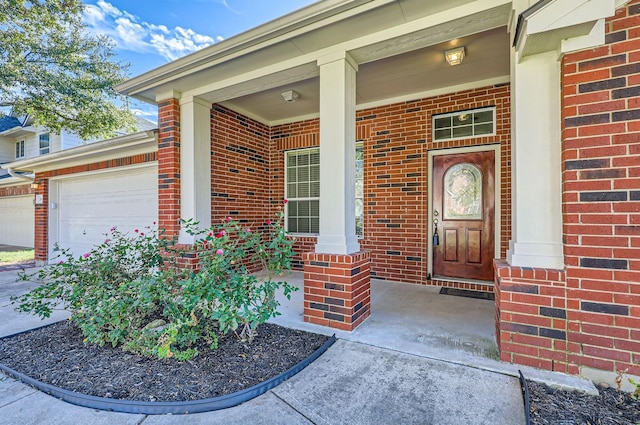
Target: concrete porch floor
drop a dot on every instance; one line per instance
(417, 320)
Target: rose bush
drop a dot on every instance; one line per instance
(129, 291)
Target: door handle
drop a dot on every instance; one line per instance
(436, 237)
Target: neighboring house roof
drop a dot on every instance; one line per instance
(7, 123)
(141, 125)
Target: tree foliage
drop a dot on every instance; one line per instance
(54, 70)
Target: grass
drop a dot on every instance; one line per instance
(16, 257)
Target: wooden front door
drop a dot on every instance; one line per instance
(464, 205)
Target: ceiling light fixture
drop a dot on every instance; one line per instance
(290, 95)
(454, 56)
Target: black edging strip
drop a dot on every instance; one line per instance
(168, 407)
(525, 395)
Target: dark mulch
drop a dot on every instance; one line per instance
(57, 355)
(558, 407)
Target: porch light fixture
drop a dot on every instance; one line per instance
(290, 96)
(35, 185)
(454, 56)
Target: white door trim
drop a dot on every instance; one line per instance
(497, 194)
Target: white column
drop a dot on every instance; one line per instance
(337, 155)
(536, 162)
(195, 163)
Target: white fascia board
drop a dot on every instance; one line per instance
(14, 181)
(270, 33)
(130, 144)
(19, 131)
(350, 45)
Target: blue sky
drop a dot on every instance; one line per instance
(149, 34)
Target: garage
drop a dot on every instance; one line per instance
(82, 209)
(17, 223)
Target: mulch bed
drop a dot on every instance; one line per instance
(558, 407)
(56, 355)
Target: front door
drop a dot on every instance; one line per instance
(464, 206)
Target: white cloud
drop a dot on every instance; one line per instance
(131, 33)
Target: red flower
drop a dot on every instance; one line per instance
(268, 222)
(285, 202)
(210, 233)
(136, 230)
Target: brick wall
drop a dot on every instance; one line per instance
(42, 210)
(601, 196)
(240, 168)
(22, 189)
(396, 141)
(589, 314)
(169, 166)
(531, 317)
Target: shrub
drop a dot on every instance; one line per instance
(128, 290)
(108, 290)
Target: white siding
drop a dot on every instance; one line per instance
(31, 147)
(7, 150)
(70, 140)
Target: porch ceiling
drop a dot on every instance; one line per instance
(422, 71)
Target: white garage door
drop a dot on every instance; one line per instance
(17, 221)
(87, 207)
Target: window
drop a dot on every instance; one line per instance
(20, 149)
(464, 124)
(360, 189)
(302, 176)
(303, 190)
(44, 143)
(463, 193)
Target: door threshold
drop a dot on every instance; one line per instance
(462, 280)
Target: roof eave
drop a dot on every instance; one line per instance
(89, 151)
(263, 33)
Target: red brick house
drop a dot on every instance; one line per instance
(522, 156)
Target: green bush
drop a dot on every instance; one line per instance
(128, 290)
(109, 290)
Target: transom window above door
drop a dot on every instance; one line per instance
(464, 124)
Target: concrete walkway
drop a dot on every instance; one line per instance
(354, 382)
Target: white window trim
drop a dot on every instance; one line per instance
(48, 148)
(22, 150)
(456, 113)
(286, 181)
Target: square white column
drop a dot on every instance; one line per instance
(195, 163)
(337, 155)
(536, 162)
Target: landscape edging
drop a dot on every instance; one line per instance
(167, 407)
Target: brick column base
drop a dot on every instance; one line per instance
(337, 290)
(531, 317)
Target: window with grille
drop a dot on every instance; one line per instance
(360, 189)
(464, 124)
(44, 143)
(20, 149)
(302, 174)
